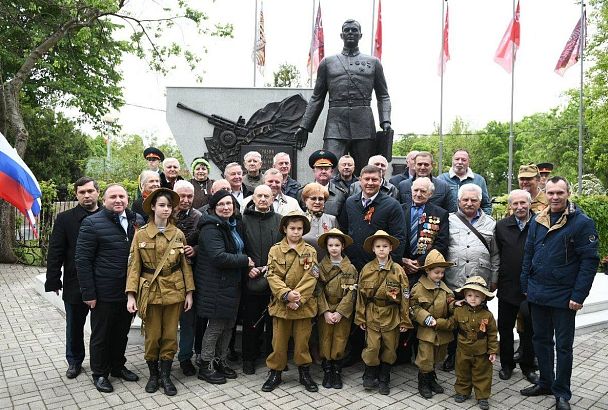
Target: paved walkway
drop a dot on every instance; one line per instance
(32, 348)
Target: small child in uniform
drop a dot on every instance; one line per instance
(337, 286)
(477, 342)
(292, 276)
(382, 310)
(430, 306)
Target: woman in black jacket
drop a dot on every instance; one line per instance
(220, 266)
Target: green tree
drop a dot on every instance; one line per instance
(67, 53)
(287, 75)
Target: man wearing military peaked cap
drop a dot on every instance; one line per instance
(322, 158)
(153, 152)
(545, 169)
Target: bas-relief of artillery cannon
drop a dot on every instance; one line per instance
(275, 124)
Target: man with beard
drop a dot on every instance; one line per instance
(62, 251)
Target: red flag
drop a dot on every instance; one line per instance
(572, 50)
(444, 56)
(260, 44)
(378, 38)
(317, 47)
(507, 49)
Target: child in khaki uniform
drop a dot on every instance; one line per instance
(336, 300)
(292, 276)
(382, 310)
(477, 342)
(430, 306)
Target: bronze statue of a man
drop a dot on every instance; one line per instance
(349, 77)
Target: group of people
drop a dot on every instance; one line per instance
(347, 266)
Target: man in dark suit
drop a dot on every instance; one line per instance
(511, 233)
(62, 251)
(442, 195)
(426, 228)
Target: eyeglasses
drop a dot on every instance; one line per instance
(317, 198)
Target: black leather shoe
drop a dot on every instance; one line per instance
(125, 374)
(208, 373)
(248, 367)
(370, 377)
(327, 374)
(483, 404)
(274, 379)
(536, 390)
(435, 386)
(103, 384)
(222, 367)
(505, 373)
(531, 376)
(460, 398)
(336, 369)
(73, 371)
(449, 363)
(306, 380)
(187, 368)
(562, 404)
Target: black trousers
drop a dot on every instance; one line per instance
(360, 150)
(75, 318)
(507, 315)
(110, 324)
(257, 334)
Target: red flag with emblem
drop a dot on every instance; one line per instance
(507, 49)
(317, 47)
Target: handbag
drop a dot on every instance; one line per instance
(143, 290)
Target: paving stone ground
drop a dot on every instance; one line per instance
(32, 376)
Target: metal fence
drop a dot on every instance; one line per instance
(32, 249)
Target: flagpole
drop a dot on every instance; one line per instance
(255, 41)
(510, 172)
(312, 36)
(440, 171)
(581, 119)
(373, 33)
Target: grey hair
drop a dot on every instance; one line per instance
(518, 192)
(252, 154)
(280, 154)
(171, 159)
(469, 187)
(145, 175)
(182, 183)
(272, 171)
(429, 183)
(232, 165)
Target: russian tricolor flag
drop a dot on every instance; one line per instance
(18, 185)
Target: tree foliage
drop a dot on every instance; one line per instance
(287, 75)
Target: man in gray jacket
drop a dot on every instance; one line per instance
(472, 248)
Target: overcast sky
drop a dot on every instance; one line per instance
(475, 87)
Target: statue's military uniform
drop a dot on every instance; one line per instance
(349, 77)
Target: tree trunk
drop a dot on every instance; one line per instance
(7, 233)
(12, 121)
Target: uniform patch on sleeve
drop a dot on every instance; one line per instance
(406, 293)
(592, 238)
(314, 270)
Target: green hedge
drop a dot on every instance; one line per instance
(596, 207)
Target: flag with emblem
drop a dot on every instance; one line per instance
(378, 37)
(507, 49)
(260, 43)
(572, 51)
(317, 45)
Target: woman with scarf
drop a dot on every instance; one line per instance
(314, 196)
(220, 267)
(202, 183)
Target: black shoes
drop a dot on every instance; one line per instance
(187, 367)
(273, 381)
(336, 369)
(449, 363)
(483, 404)
(103, 384)
(125, 374)
(535, 390)
(424, 385)
(327, 374)
(222, 367)
(505, 373)
(73, 371)
(208, 373)
(248, 367)
(165, 378)
(370, 377)
(153, 383)
(460, 398)
(306, 380)
(562, 404)
(384, 379)
(531, 376)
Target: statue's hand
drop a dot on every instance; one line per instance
(386, 126)
(301, 138)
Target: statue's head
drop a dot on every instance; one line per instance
(351, 33)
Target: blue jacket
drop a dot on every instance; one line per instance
(455, 183)
(560, 261)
